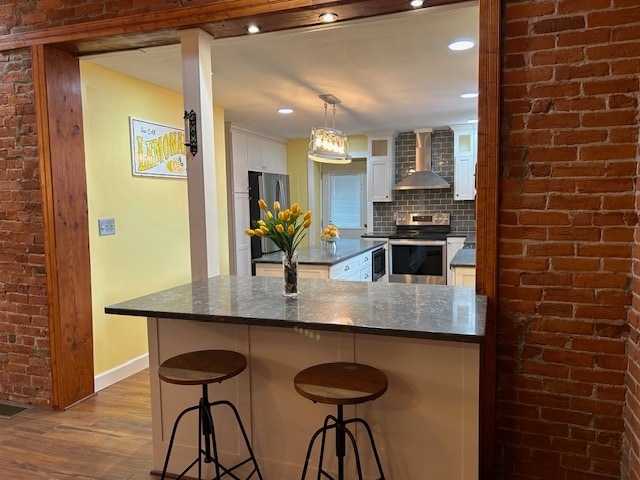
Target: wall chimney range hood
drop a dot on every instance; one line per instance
(423, 178)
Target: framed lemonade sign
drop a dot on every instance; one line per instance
(157, 150)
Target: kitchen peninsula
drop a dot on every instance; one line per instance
(424, 337)
(351, 260)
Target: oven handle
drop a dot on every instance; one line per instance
(406, 241)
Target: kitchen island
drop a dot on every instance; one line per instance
(351, 260)
(424, 337)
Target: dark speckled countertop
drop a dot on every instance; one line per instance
(437, 312)
(465, 257)
(317, 254)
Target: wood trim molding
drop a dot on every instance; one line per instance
(487, 219)
(42, 121)
(65, 222)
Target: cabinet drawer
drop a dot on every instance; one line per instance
(345, 269)
(365, 275)
(364, 260)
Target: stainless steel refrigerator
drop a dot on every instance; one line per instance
(270, 187)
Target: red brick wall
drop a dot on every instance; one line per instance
(24, 335)
(567, 218)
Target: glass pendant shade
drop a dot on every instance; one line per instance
(328, 145)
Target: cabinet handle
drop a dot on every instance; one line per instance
(346, 268)
(366, 259)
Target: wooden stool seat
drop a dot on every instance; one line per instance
(341, 383)
(202, 367)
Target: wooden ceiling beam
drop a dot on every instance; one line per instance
(221, 19)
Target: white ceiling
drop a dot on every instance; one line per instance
(391, 72)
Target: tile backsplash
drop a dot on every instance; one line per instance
(462, 212)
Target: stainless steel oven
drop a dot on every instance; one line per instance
(418, 261)
(418, 249)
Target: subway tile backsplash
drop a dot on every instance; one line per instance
(462, 212)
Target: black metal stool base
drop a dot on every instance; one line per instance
(206, 434)
(342, 432)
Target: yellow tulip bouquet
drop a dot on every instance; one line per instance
(282, 228)
(286, 228)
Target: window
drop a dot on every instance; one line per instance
(344, 197)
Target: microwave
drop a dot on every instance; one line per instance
(378, 264)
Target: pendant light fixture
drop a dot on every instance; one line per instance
(328, 145)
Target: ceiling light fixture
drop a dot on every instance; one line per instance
(469, 95)
(328, 17)
(285, 110)
(416, 3)
(328, 145)
(253, 29)
(460, 45)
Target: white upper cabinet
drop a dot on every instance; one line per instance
(465, 155)
(255, 151)
(266, 155)
(273, 157)
(381, 167)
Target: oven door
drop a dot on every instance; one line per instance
(418, 261)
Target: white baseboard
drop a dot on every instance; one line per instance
(121, 372)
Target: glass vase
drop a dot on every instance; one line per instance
(290, 268)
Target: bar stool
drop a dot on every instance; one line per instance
(202, 368)
(341, 383)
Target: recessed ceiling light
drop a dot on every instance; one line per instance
(253, 29)
(460, 45)
(285, 110)
(469, 95)
(328, 17)
(416, 3)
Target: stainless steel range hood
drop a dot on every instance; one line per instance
(423, 178)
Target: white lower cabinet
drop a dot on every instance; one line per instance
(453, 245)
(243, 242)
(355, 269)
(464, 276)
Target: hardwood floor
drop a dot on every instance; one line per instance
(106, 437)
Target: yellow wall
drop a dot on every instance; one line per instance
(358, 143)
(150, 250)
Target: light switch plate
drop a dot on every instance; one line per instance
(106, 226)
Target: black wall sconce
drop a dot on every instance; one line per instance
(191, 131)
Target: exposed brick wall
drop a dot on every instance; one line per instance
(567, 217)
(24, 335)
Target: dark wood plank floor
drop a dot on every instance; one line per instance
(106, 437)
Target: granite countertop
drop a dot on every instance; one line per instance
(317, 255)
(465, 257)
(440, 312)
(471, 239)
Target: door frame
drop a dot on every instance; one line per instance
(112, 32)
